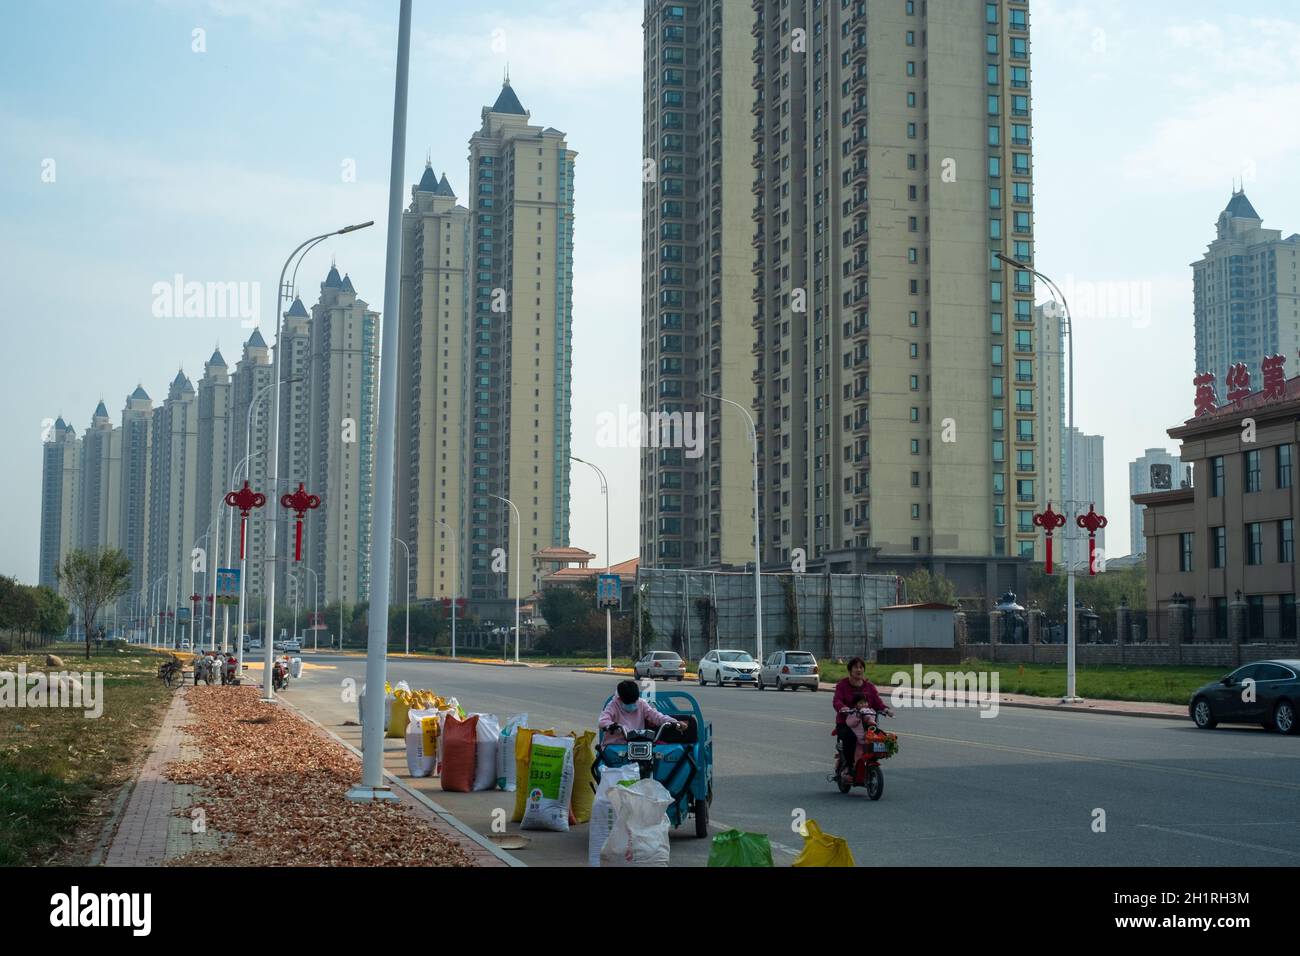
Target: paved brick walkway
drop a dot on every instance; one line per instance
(156, 825)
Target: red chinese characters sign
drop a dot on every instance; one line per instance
(1272, 370)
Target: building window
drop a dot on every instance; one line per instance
(1254, 543)
(1251, 462)
(1219, 542)
(1285, 541)
(1185, 551)
(1216, 476)
(1284, 466)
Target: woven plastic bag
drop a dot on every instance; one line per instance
(584, 784)
(640, 834)
(523, 755)
(822, 849)
(550, 784)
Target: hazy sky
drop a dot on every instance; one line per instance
(215, 164)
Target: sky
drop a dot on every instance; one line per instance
(145, 139)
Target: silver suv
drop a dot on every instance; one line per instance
(784, 669)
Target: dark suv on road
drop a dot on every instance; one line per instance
(1264, 692)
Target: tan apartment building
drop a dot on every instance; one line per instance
(60, 470)
(520, 372)
(137, 458)
(213, 463)
(342, 368)
(173, 482)
(433, 389)
(887, 154)
(100, 484)
(250, 414)
(1231, 535)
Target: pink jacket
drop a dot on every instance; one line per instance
(644, 716)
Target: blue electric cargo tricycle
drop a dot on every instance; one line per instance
(680, 760)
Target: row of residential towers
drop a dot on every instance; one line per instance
(485, 379)
(154, 484)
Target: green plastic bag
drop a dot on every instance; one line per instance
(737, 848)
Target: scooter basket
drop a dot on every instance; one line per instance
(880, 744)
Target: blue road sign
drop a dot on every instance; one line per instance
(609, 591)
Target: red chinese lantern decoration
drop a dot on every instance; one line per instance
(301, 502)
(1049, 521)
(245, 499)
(1092, 522)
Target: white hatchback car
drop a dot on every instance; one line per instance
(784, 669)
(728, 667)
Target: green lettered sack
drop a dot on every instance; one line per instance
(737, 848)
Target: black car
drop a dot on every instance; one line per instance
(1264, 692)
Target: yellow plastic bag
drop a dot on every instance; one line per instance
(584, 785)
(822, 849)
(523, 757)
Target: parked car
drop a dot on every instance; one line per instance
(728, 667)
(665, 665)
(292, 646)
(1270, 699)
(784, 669)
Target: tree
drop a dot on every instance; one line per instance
(94, 580)
(925, 588)
(562, 608)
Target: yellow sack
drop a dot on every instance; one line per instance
(822, 849)
(584, 785)
(524, 757)
(398, 717)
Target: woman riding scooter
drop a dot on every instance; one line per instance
(846, 692)
(627, 711)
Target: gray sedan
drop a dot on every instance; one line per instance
(1264, 692)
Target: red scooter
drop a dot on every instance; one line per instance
(867, 773)
(280, 675)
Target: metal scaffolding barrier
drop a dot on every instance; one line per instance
(834, 616)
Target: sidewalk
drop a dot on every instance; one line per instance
(155, 824)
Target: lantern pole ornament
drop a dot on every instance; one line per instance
(245, 499)
(301, 502)
(1049, 521)
(1092, 522)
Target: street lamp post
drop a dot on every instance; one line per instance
(371, 786)
(407, 549)
(455, 584)
(1070, 505)
(758, 584)
(515, 559)
(268, 692)
(609, 625)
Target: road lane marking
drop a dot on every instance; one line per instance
(1206, 836)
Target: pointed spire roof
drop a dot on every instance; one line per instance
(217, 358)
(429, 181)
(332, 281)
(61, 425)
(347, 284)
(100, 410)
(139, 393)
(181, 380)
(255, 341)
(298, 310)
(507, 102)
(444, 188)
(1239, 206)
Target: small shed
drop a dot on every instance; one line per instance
(919, 625)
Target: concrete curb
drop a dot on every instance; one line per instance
(442, 812)
(1042, 703)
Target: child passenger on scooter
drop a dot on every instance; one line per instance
(862, 719)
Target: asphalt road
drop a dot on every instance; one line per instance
(1023, 788)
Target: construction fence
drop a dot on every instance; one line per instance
(834, 616)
